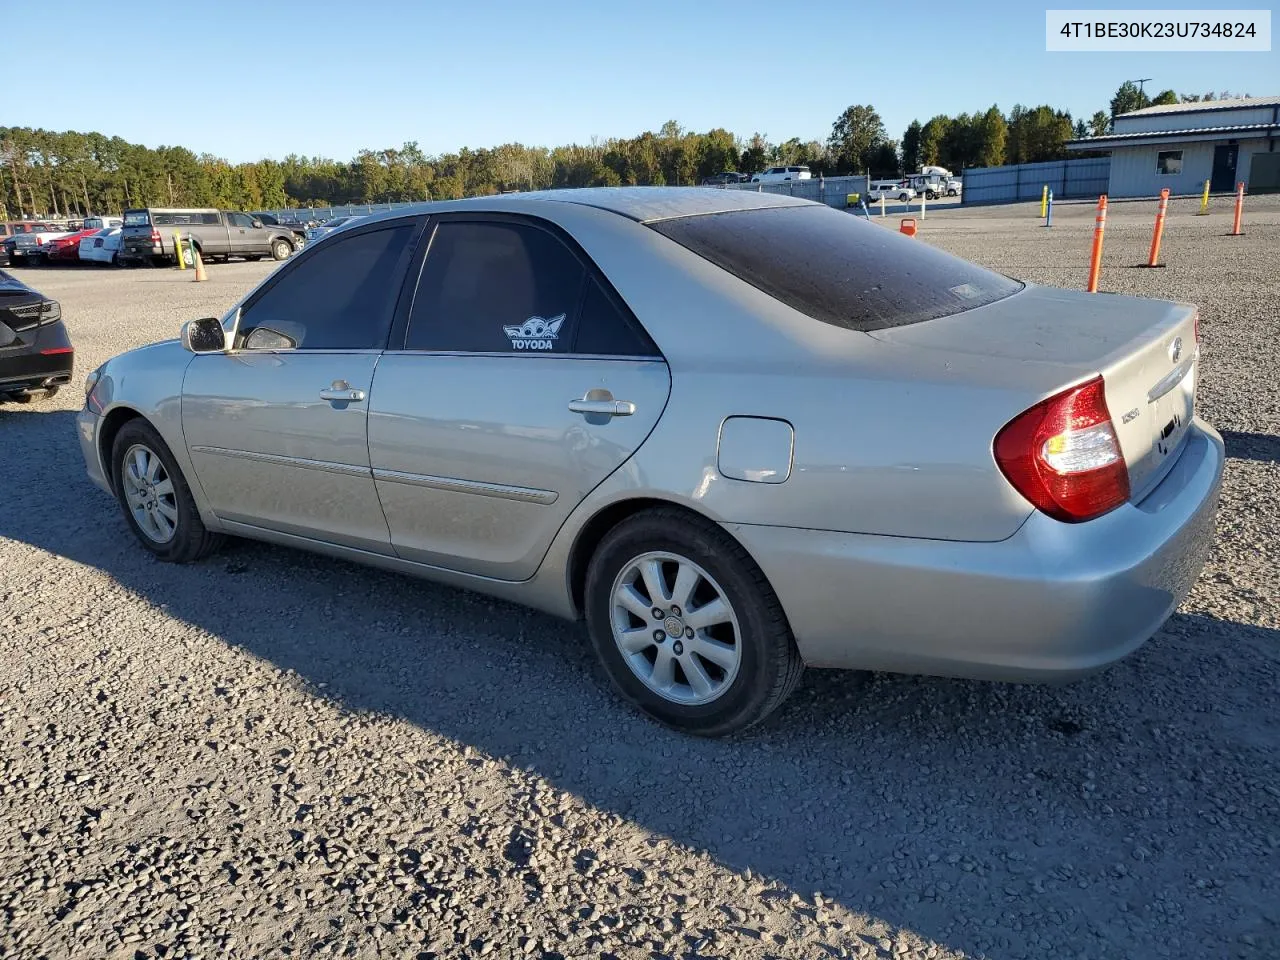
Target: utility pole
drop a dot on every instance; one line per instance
(1140, 82)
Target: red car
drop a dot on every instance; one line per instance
(65, 249)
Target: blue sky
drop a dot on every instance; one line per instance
(270, 77)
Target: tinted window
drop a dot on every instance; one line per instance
(838, 268)
(605, 328)
(340, 297)
(496, 288)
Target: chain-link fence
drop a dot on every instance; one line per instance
(833, 191)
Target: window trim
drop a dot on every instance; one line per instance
(417, 221)
(1166, 153)
(400, 326)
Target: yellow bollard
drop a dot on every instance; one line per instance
(1204, 201)
(1044, 201)
(177, 250)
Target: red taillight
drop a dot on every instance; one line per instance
(1063, 455)
(56, 350)
(1197, 326)
(155, 236)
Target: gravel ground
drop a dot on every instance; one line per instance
(271, 754)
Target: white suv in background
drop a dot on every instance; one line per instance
(890, 190)
(782, 174)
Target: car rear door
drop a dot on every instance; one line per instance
(276, 426)
(520, 383)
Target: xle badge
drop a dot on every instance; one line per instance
(535, 333)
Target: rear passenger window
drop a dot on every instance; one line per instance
(496, 288)
(340, 297)
(606, 329)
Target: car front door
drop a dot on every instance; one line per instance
(277, 425)
(523, 382)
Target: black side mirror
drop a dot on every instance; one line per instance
(203, 336)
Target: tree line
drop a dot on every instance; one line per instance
(47, 173)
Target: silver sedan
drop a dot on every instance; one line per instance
(737, 433)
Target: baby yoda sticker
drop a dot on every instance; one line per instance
(535, 333)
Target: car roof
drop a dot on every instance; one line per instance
(642, 204)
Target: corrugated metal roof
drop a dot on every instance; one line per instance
(1239, 103)
(1195, 133)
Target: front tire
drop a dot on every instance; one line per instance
(155, 498)
(686, 624)
(281, 249)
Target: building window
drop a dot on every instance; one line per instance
(1169, 163)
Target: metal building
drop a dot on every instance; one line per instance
(1182, 145)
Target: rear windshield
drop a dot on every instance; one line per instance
(837, 267)
(137, 218)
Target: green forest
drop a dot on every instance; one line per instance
(48, 174)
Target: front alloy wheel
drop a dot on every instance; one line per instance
(149, 493)
(154, 496)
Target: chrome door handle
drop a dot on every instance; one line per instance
(341, 390)
(607, 408)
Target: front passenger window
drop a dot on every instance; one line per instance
(340, 297)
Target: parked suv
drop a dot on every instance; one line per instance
(782, 174)
(890, 190)
(149, 235)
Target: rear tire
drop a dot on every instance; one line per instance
(155, 498)
(726, 659)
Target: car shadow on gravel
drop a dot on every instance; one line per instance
(1262, 447)
(938, 806)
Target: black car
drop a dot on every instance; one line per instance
(299, 229)
(6, 250)
(36, 355)
(727, 177)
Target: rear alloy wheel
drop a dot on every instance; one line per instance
(155, 498)
(280, 250)
(687, 626)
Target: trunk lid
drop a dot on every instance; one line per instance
(1145, 350)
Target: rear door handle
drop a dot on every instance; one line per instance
(341, 390)
(607, 408)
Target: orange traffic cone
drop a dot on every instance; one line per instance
(200, 274)
(908, 226)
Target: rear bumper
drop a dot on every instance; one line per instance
(1053, 601)
(30, 369)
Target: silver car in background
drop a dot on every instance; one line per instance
(314, 233)
(737, 433)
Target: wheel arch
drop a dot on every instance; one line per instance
(595, 529)
(112, 423)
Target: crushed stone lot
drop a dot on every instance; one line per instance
(272, 754)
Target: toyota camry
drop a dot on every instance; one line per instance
(736, 433)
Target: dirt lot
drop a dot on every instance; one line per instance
(270, 754)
